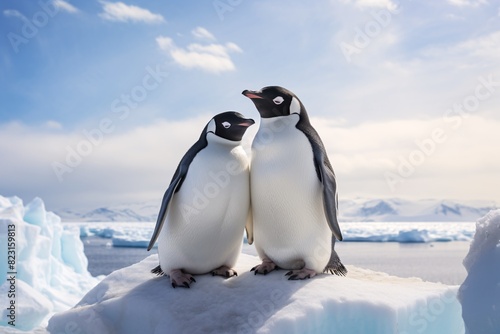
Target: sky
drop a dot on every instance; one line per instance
(101, 99)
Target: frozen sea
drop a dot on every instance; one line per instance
(431, 251)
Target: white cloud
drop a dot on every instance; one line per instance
(53, 125)
(13, 13)
(455, 168)
(212, 58)
(389, 4)
(476, 52)
(63, 5)
(137, 165)
(202, 33)
(120, 12)
(485, 46)
(471, 3)
(122, 167)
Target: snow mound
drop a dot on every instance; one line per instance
(132, 300)
(50, 270)
(480, 292)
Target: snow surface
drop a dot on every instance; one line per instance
(480, 292)
(139, 234)
(350, 210)
(132, 300)
(51, 266)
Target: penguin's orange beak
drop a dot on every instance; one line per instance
(251, 94)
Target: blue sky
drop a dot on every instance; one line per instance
(405, 94)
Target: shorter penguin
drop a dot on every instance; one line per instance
(206, 207)
(293, 190)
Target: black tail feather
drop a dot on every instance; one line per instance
(337, 269)
(157, 270)
(335, 266)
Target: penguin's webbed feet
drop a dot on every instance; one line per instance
(224, 271)
(300, 274)
(178, 278)
(264, 268)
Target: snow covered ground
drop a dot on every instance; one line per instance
(51, 277)
(133, 300)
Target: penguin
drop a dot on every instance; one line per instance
(293, 190)
(206, 207)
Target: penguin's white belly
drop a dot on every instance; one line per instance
(290, 226)
(206, 217)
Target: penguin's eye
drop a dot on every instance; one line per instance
(226, 125)
(278, 100)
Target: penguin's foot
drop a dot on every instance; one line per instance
(300, 274)
(265, 267)
(178, 278)
(224, 271)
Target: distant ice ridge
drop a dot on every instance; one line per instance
(51, 267)
(351, 210)
(480, 292)
(400, 210)
(139, 234)
(121, 234)
(407, 232)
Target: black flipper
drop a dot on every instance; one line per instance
(176, 183)
(325, 173)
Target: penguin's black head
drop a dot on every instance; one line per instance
(229, 125)
(273, 101)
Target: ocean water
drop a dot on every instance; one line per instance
(104, 258)
(434, 262)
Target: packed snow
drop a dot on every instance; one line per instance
(132, 300)
(50, 270)
(480, 292)
(139, 234)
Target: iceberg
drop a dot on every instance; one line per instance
(42, 265)
(133, 300)
(480, 292)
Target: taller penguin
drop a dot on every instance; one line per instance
(207, 205)
(293, 190)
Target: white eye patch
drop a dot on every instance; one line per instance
(278, 100)
(226, 125)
